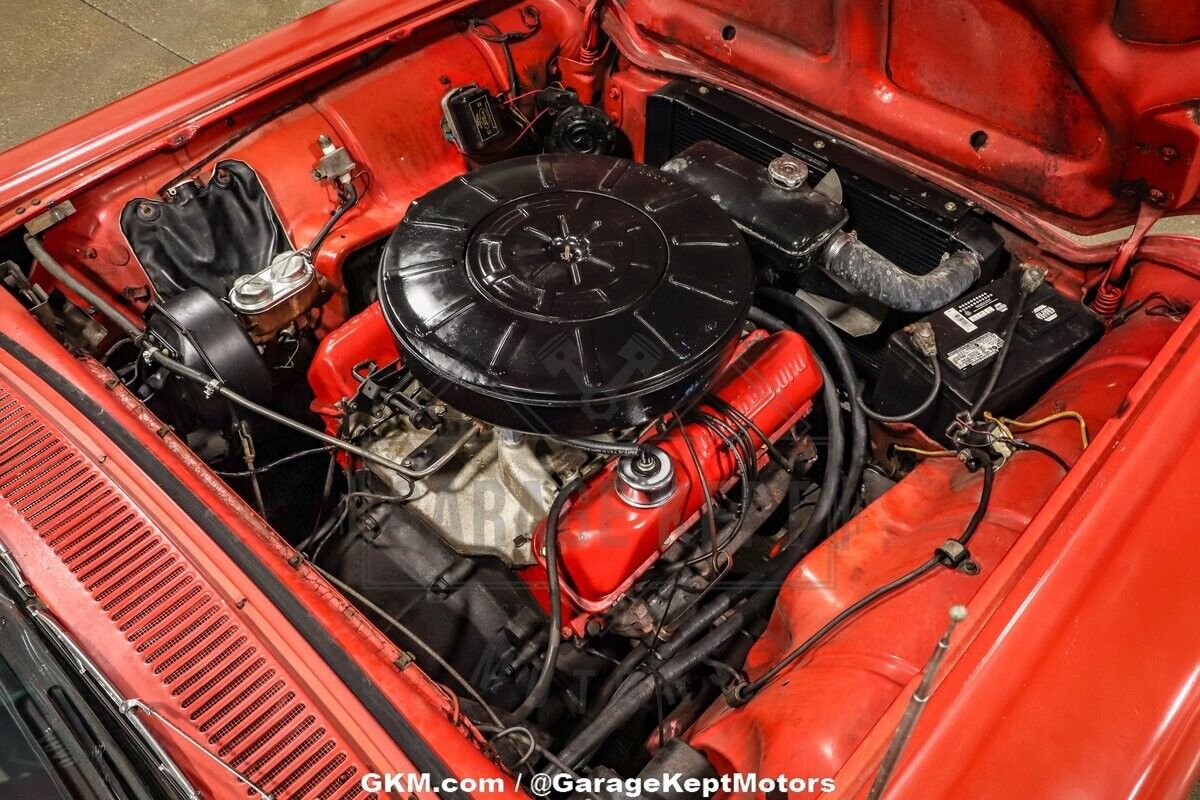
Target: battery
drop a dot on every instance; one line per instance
(1052, 333)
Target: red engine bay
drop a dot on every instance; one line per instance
(652, 403)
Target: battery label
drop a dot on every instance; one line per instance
(958, 319)
(1045, 313)
(969, 312)
(976, 351)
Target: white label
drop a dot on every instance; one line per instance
(975, 351)
(1045, 313)
(958, 319)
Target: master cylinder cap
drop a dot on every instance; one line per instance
(569, 294)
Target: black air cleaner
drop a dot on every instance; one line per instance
(569, 294)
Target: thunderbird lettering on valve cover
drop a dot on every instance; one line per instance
(483, 398)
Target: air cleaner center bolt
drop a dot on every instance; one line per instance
(647, 480)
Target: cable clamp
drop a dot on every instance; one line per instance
(211, 388)
(924, 339)
(737, 694)
(952, 553)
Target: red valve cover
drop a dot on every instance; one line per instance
(605, 544)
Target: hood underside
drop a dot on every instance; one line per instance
(1072, 111)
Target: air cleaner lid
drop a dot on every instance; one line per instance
(565, 293)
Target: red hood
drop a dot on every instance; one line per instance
(1059, 112)
(1070, 110)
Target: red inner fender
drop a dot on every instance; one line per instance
(604, 543)
(363, 337)
(840, 690)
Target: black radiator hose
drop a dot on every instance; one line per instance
(847, 258)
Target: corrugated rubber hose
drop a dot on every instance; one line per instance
(847, 258)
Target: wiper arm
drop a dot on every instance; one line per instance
(12, 573)
(125, 707)
(72, 652)
(133, 705)
(128, 708)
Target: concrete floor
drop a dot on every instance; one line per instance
(63, 58)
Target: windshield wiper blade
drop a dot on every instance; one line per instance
(125, 707)
(109, 693)
(128, 708)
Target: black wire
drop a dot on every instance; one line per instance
(487, 31)
(743, 692)
(734, 614)
(654, 640)
(641, 653)
(736, 439)
(747, 489)
(822, 517)
(735, 434)
(541, 687)
(620, 449)
(1010, 332)
(1021, 444)
(916, 412)
(844, 366)
(279, 462)
(347, 197)
(985, 495)
(815, 528)
(723, 405)
(709, 514)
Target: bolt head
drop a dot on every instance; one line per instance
(951, 206)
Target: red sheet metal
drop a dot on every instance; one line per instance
(838, 693)
(1037, 103)
(362, 338)
(388, 117)
(174, 112)
(1085, 680)
(421, 701)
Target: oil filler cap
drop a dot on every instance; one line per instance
(565, 293)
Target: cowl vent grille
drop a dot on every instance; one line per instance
(224, 686)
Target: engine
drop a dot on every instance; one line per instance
(564, 400)
(563, 323)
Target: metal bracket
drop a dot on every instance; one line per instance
(1162, 167)
(51, 217)
(335, 164)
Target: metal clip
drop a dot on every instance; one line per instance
(335, 164)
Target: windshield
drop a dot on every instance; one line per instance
(29, 747)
